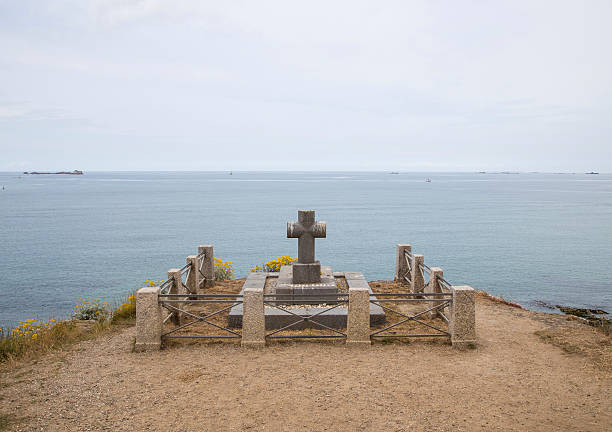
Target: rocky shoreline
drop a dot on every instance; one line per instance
(593, 317)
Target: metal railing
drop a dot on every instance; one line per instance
(338, 300)
(425, 270)
(186, 270)
(185, 273)
(408, 257)
(175, 304)
(164, 287)
(200, 261)
(442, 301)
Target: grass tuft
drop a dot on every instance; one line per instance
(125, 313)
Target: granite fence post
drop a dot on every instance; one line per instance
(463, 317)
(358, 319)
(148, 319)
(208, 266)
(434, 287)
(253, 318)
(176, 288)
(193, 281)
(417, 284)
(402, 266)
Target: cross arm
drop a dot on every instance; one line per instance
(294, 229)
(319, 230)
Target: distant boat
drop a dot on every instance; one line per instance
(592, 172)
(428, 180)
(231, 173)
(393, 172)
(482, 172)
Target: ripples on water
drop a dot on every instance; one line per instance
(525, 237)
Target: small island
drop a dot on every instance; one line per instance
(75, 172)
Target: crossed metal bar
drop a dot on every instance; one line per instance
(165, 301)
(339, 334)
(442, 333)
(200, 267)
(425, 269)
(408, 259)
(186, 271)
(445, 283)
(165, 286)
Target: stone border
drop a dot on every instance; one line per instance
(461, 314)
(276, 318)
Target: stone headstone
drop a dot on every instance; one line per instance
(306, 229)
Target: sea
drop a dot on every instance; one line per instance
(536, 239)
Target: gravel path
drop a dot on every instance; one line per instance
(514, 380)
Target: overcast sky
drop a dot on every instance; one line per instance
(273, 85)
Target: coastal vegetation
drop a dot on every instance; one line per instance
(91, 309)
(224, 270)
(32, 337)
(274, 265)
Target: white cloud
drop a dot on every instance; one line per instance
(456, 83)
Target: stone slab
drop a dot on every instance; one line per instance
(276, 318)
(307, 273)
(336, 318)
(300, 293)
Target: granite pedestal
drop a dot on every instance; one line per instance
(305, 302)
(290, 293)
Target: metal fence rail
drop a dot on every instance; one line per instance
(185, 273)
(164, 287)
(425, 270)
(174, 303)
(442, 299)
(408, 259)
(200, 261)
(338, 300)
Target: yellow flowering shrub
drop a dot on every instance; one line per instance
(224, 270)
(32, 335)
(274, 265)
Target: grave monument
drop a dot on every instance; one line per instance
(305, 288)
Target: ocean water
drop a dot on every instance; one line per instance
(526, 237)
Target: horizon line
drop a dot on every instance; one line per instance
(52, 172)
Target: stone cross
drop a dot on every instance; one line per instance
(306, 270)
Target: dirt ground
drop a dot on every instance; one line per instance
(530, 371)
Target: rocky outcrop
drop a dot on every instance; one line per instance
(75, 172)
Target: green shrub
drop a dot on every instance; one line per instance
(97, 310)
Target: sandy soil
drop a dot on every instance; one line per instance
(530, 371)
